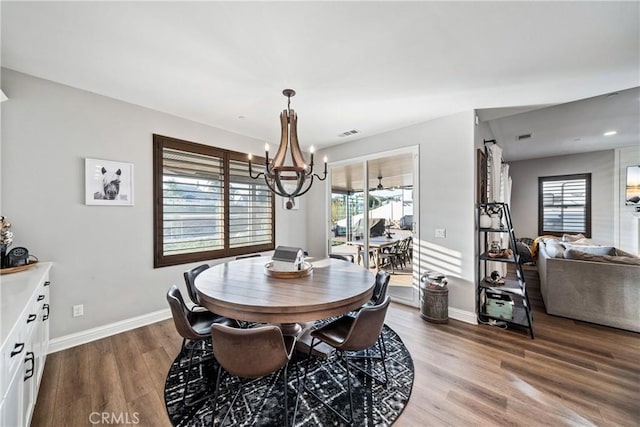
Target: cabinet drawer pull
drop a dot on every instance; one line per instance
(47, 283)
(17, 348)
(46, 316)
(30, 357)
(40, 297)
(31, 318)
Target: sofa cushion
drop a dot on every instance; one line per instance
(584, 256)
(594, 250)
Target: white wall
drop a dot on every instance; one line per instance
(628, 233)
(524, 195)
(447, 191)
(103, 256)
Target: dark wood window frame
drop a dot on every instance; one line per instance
(587, 205)
(160, 259)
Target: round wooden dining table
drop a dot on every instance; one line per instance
(243, 290)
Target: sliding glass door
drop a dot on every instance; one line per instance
(347, 209)
(372, 212)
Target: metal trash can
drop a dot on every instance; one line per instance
(434, 300)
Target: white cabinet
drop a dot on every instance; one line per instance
(24, 330)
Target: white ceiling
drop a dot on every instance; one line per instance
(574, 127)
(371, 66)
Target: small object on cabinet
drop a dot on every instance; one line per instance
(495, 279)
(503, 253)
(499, 306)
(485, 219)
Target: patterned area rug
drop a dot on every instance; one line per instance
(374, 404)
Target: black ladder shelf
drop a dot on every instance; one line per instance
(490, 298)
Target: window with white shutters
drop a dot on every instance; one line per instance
(564, 205)
(206, 205)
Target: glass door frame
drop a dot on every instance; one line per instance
(364, 160)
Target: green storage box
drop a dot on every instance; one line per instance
(499, 306)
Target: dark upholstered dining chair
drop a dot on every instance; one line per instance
(380, 287)
(251, 353)
(194, 327)
(190, 281)
(349, 334)
(379, 295)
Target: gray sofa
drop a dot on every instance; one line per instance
(606, 291)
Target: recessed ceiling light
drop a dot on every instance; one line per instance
(609, 133)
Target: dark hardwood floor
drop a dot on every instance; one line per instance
(573, 373)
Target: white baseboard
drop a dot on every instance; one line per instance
(463, 315)
(83, 337)
(453, 313)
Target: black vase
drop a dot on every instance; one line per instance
(3, 253)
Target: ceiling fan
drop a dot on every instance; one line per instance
(380, 186)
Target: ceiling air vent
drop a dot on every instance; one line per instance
(525, 136)
(349, 133)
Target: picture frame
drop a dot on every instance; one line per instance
(632, 189)
(108, 182)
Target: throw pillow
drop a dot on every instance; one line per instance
(554, 249)
(572, 237)
(584, 242)
(594, 250)
(525, 252)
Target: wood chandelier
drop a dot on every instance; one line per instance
(288, 181)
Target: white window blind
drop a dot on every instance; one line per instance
(206, 204)
(250, 213)
(565, 204)
(192, 202)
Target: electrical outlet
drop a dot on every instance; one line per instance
(441, 232)
(78, 310)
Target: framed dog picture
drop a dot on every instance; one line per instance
(108, 183)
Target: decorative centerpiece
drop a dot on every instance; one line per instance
(6, 238)
(501, 253)
(495, 213)
(485, 219)
(288, 262)
(495, 279)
